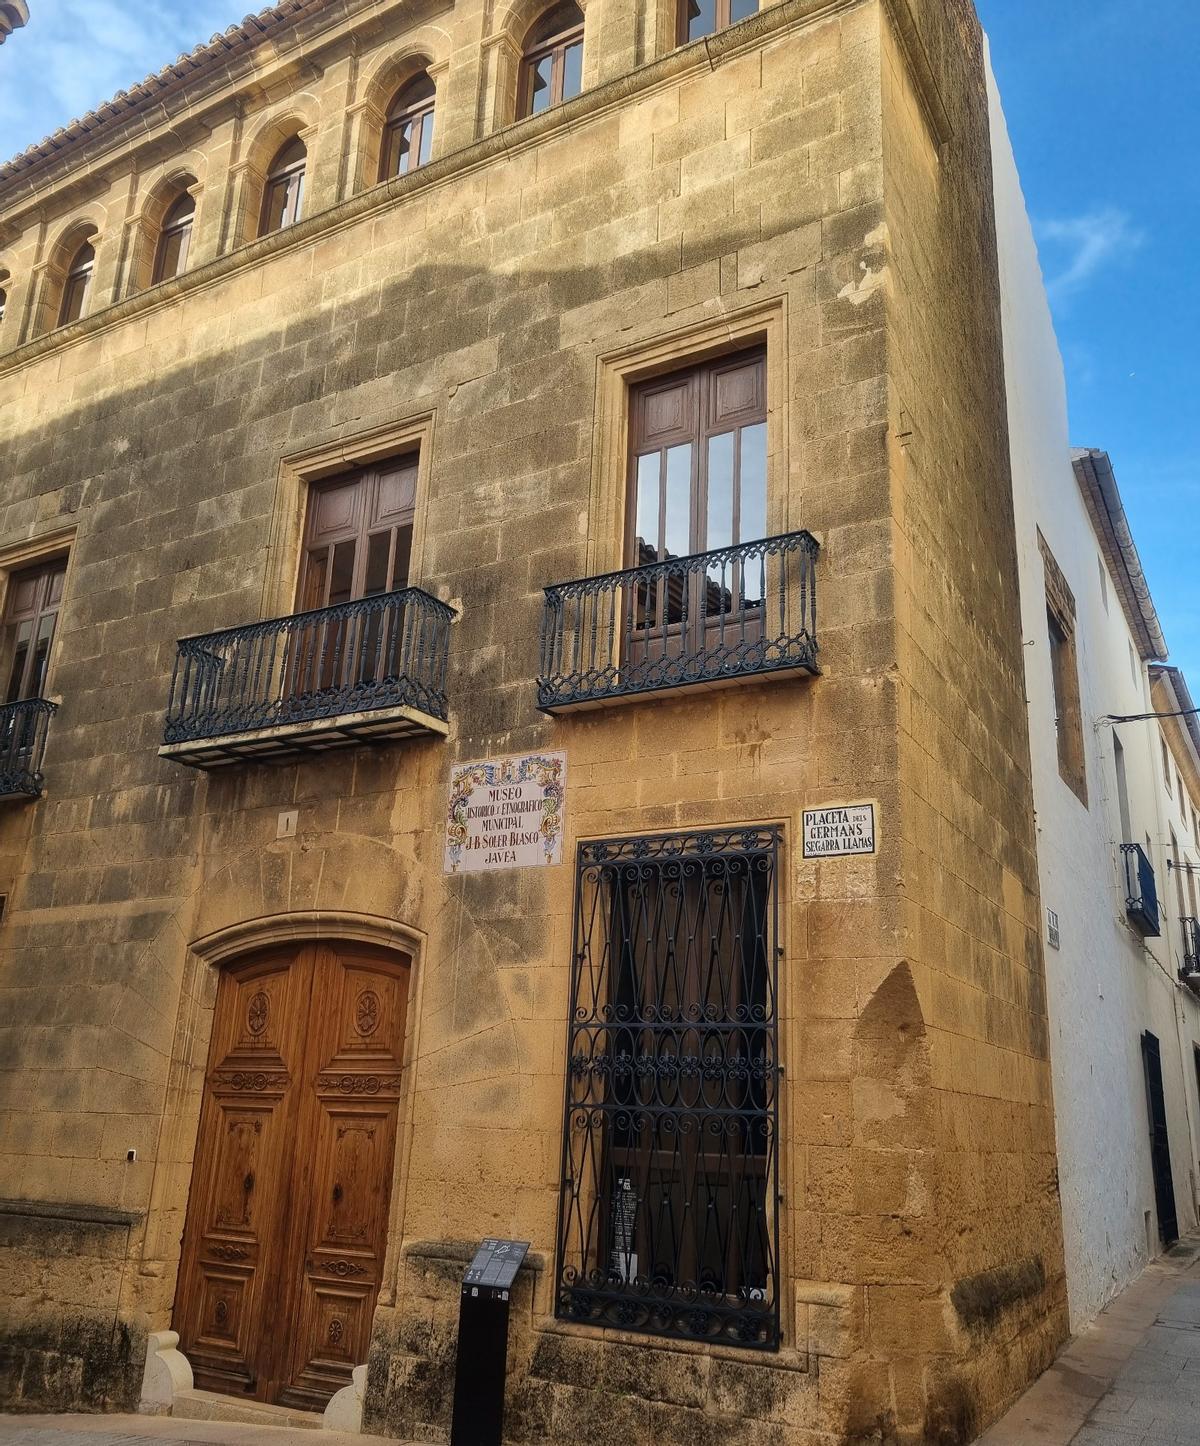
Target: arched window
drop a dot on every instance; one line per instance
(77, 285)
(408, 139)
(703, 17)
(174, 240)
(284, 196)
(552, 68)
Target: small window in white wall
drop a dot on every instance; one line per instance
(1132, 663)
(1122, 790)
(1103, 582)
(1166, 756)
(1182, 795)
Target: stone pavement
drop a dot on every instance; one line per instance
(1132, 1378)
(139, 1430)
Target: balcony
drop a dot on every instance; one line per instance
(23, 728)
(1190, 973)
(1141, 892)
(358, 672)
(688, 623)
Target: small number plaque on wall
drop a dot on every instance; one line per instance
(839, 832)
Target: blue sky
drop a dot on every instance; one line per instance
(1101, 99)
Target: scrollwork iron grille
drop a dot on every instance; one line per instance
(718, 615)
(669, 1212)
(1141, 891)
(1191, 950)
(386, 651)
(23, 729)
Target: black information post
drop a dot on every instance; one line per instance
(483, 1343)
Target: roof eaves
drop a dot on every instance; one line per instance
(1183, 701)
(1098, 483)
(207, 58)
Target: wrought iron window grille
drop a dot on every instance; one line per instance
(1141, 891)
(1190, 973)
(23, 729)
(386, 651)
(669, 1207)
(715, 616)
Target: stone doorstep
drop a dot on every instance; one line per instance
(119, 1430)
(194, 1405)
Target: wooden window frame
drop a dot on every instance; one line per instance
(554, 46)
(290, 180)
(51, 553)
(761, 324)
(360, 533)
(722, 20)
(1064, 675)
(181, 227)
(300, 471)
(420, 115)
(77, 282)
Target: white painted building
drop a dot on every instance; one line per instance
(1114, 993)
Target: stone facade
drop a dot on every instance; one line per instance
(814, 178)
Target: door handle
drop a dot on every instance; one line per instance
(337, 1192)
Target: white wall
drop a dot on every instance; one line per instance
(1104, 986)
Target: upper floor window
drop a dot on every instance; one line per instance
(3, 304)
(175, 239)
(699, 465)
(78, 284)
(30, 614)
(358, 540)
(283, 199)
(408, 139)
(552, 69)
(703, 17)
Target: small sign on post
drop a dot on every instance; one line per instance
(482, 1363)
(839, 831)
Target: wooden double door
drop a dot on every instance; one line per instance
(287, 1219)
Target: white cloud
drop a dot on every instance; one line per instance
(1082, 246)
(75, 54)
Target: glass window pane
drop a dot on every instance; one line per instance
(378, 548)
(700, 17)
(295, 198)
(276, 204)
(168, 260)
(646, 545)
(16, 677)
(400, 563)
(539, 95)
(678, 539)
(741, 9)
(342, 582)
(426, 138)
(754, 483)
(403, 153)
(41, 656)
(720, 491)
(573, 70)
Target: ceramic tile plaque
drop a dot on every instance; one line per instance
(506, 813)
(831, 833)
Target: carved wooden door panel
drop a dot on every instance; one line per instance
(348, 1119)
(287, 1221)
(225, 1306)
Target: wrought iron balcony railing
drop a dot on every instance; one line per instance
(1141, 891)
(687, 622)
(23, 728)
(368, 669)
(1191, 951)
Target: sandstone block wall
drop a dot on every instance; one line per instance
(777, 182)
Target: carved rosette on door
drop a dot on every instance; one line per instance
(287, 1220)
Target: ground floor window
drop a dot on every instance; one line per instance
(668, 1221)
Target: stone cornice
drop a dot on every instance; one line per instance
(13, 14)
(226, 60)
(696, 58)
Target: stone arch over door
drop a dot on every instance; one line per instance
(300, 1125)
